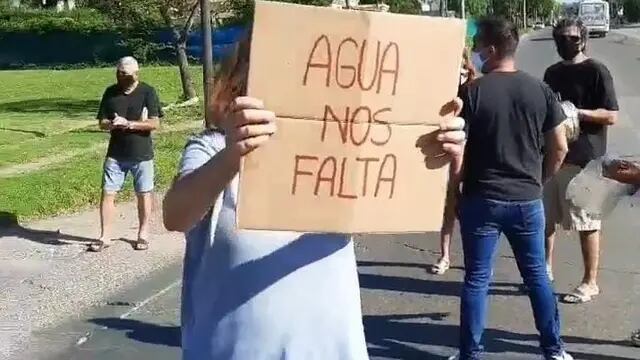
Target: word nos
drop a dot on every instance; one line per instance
(326, 172)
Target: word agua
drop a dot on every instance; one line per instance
(330, 172)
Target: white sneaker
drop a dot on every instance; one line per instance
(564, 356)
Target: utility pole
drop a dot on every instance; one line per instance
(207, 58)
(462, 9)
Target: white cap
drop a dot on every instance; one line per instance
(128, 65)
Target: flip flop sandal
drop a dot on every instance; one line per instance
(441, 267)
(582, 294)
(141, 245)
(97, 246)
(635, 338)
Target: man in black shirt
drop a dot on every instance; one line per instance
(130, 110)
(587, 84)
(510, 116)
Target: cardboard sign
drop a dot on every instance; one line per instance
(355, 94)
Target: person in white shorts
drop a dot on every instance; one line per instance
(587, 84)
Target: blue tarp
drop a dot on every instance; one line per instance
(223, 40)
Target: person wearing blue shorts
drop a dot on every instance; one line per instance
(130, 110)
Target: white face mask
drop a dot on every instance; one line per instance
(477, 61)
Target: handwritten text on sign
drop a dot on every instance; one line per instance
(328, 174)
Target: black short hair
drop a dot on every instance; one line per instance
(500, 33)
(571, 22)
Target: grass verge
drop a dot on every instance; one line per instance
(72, 186)
(42, 102)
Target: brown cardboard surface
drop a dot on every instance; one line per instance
(409, 197)
(418, 60)
(335, 111)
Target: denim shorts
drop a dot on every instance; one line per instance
(115, 173)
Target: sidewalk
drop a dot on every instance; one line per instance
(46, 275)
(631, 31)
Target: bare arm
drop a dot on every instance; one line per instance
(247, 127)
(556, 150)
(191, 196)
(453, 194)
(599, 116)
(148, 125)
(625, 172)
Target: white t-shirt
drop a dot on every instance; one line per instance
(263, 295)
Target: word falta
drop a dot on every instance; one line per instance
(361, 127)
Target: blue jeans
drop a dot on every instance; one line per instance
(482, 221)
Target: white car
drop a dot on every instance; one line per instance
(538, 26)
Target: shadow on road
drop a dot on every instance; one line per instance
(389, 335)
(143, 332)
(424, 286)
(9, 226)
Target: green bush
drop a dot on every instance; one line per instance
(632, 10)
(44, 21)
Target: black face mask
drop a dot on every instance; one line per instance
(126, 82)
(569, 46)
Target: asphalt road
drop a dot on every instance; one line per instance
(408, 313)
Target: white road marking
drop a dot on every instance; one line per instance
(149, 299)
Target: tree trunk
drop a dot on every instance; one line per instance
(188, 91)
(180, 43)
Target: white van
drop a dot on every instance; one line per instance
(595, 16)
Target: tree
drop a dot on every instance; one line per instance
(404, 6)
(506, 8)
(138, 19)
(473, 8)
(632, 10)
(173, 18)
(542, 9)
(398, 6)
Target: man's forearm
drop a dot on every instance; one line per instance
(148, 125)
(552, 164)
(599, 116)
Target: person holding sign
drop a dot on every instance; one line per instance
(510, 115)
(253, 295)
